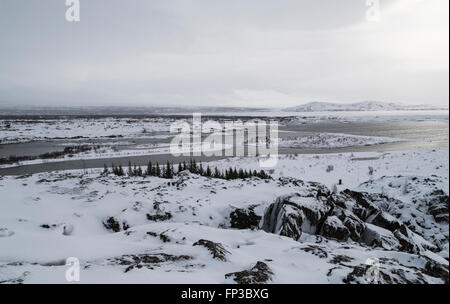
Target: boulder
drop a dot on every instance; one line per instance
(384, 220)
(244, 219)
(283, 219)
(354, 225)
(112, 224)
(363, 207)
(293, 214)
(258, 274)
(412, 242)
(335, 229)
(217, 250)
(379, 237)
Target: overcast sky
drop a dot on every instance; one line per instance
(223, 52)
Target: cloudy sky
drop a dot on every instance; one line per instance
(227, 53)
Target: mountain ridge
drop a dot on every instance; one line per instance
(317, 106)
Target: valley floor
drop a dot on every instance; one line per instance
(387, 219)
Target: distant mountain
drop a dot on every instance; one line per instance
(358, 106)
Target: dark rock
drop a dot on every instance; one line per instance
(335, 229)
(316, 250)
(258, 274)
(438, 207)
(364, 206)
(437, 270)
(244, 219)
(283, 219)
(379, 237)
(161, 236)
(384, 220)
(339, 259)
(112, 224)
(356, 274)
(159, 217)
(291, 215)
(354, 225)
(217, 250)
(148, 261)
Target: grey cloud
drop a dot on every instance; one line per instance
(212, 52)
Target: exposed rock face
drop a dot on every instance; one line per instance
(335, 229)
(258, 274)
(283, 219)
(437, 270)
(362, 207)
(373, 219)
(384, 220)
(217, 250)
(354, 225)
(438, 206)
(292, 214)
(418, 202)
(244, 219)
(379, 237)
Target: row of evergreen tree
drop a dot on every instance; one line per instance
(168, 171)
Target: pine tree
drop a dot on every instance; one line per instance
(120, 171)
(168, 173)
(149, 168)
(217, 173)
(208, 171)
(180, 167)
(158, 170)
(262, 174)
(130, 169)
(241, 174)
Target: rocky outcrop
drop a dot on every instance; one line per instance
(354, 225)
(384, 220)
(333, 228)
(258, 274)
(375, 236)
(438, 206)
(283, 219)
(293, 214)
(112, 224)
(149, 261)
(244, 219)
(412, 242)
(373, 219)
(217, 250)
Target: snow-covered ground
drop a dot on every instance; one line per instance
(334, 140)
(299, 227)
(24, 130)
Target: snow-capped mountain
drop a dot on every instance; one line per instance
(358, 106)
